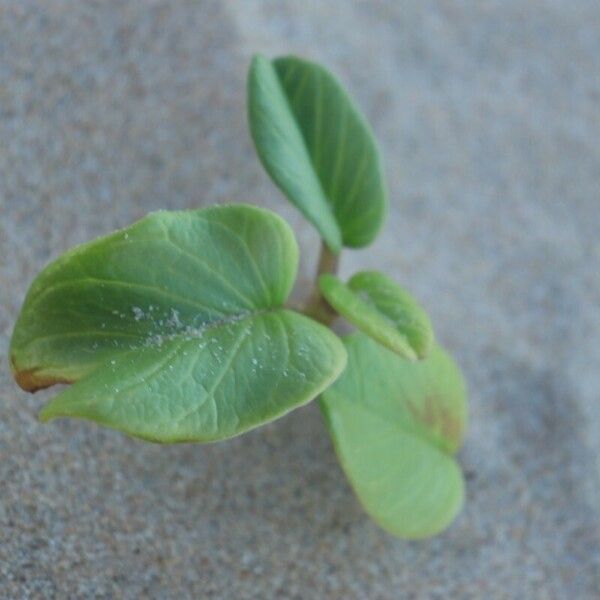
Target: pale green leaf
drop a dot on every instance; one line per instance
(382, 309)
(174, 329)
(318, 149)
(395, 426)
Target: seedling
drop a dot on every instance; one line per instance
(176, 328)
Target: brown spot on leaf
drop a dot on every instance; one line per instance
(31, 380)
(440, 420)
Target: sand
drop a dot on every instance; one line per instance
(488, 116)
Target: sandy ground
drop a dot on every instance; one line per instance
(488, 114)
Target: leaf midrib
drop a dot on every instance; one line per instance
(311, 159)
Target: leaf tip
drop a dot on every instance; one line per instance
(326, 280)
(405, 351)
(425, 346)
(56, 409)
(258, 61)
(31, 380)
(45, 415)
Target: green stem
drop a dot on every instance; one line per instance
(316, 306)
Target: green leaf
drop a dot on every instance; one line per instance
(173, 329)
(395, 426)
(317, 148)
(383, 310)
(211, 384)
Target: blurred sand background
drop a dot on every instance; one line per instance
(488, 114)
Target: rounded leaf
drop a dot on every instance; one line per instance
(395, 426)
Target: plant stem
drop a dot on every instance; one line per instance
(316, 306)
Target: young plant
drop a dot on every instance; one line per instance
(176, 329)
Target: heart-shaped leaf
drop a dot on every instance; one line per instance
(395, 426)
(382, 309)
(317, 148)
(173, 329)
